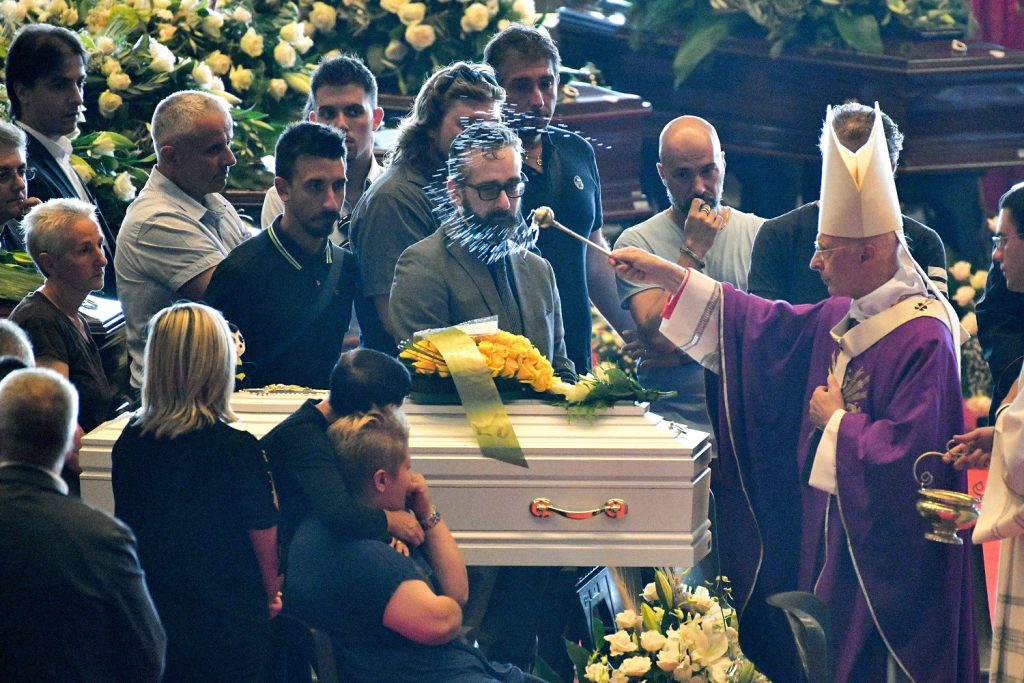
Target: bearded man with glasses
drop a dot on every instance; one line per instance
(399, 209)
(479, 264)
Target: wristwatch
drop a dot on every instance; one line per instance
(431, 520)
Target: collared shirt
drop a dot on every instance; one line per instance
(60, 148)
(57, 481)
(270, 288)
(167, 238)
(273, 206)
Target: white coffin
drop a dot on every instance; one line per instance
(661, 475)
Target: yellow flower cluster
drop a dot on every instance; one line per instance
(510, 356)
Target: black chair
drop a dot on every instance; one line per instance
(599, 596)
(302, 654)
(809, 620)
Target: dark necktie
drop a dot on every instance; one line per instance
(509, 304)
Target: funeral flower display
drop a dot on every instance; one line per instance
(860, 25)
(258, 55)
(680, 634)
(513, 358)
(966, 285)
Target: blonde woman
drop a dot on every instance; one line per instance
(197, 494)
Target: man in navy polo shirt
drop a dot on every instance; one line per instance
(294, 323)
(562, 174)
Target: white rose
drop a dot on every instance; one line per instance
(186, 6)
(524, 8)
(241, 15)
(620, 643)
(412, 13)
(618, 677)
(392, 5)
(628, 619)
(652, 641)
(162, 59)
(9, 10)
(123, 187)
(493, 7)
(102, 146)
(119, 81)
(961, 270)
(979, 279)
(277, 87)
(475, 18)
(668, 656)
(109, 103)
(219, 62)
(291, 32)
(303, 44)
(285, 55)
(323, 16)
(964, 295)
(396, 51)
(106, 44)
(161, 4)
(503, 24)
(212, 23)
(650, 593)
(110, 66)
(216, 84)
(251, 43)
(634, 667)
(241, 78)
(701, 599)
(82, 168)
(596, 673)
(202, 74)
(420, 36)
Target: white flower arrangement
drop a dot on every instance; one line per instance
(680, 634)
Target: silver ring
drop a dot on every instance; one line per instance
(706, 209)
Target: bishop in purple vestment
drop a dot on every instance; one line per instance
(822, 411)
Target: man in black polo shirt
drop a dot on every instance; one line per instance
(290, 289)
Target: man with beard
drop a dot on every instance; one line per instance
(294, 323)
(562, 174)
(477, 264)
(398, 209)
(695, 231)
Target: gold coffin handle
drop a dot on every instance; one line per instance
(615, 508)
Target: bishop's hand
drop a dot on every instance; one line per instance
(825, 401)
(637, 265)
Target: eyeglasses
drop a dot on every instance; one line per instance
(23, 172)
(818, 249)
(999, 241)
(488, 192)
(466, 73)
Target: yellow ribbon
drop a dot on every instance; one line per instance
(484, 410)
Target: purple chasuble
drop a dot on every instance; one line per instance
(863, 551)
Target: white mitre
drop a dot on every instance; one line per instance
(858, 190)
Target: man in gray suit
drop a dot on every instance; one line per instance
(478, 264)
(75, 604)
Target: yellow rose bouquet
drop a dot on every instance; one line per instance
(508, 356)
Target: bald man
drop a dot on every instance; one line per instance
(695, 231)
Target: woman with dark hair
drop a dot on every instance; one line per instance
(199, 498)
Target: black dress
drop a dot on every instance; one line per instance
(191, 502)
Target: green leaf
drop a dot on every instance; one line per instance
(651, 621)
(665, 592)
(541, 669)
(860, 31)
(700, 40)
(580, 657)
